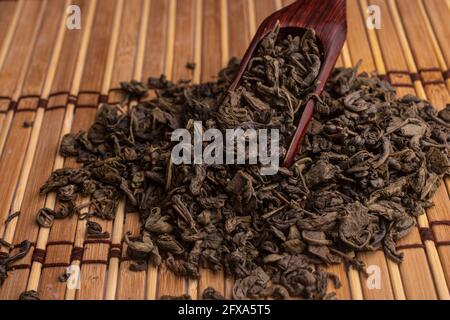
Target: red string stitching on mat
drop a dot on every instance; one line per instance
(56, 107)
(39, 255)
(402, 72)
(432, 69)
(442, 243)
(56, 265)
(95, 241)
(89, 92)
(58, 93)
(426, 234)
(126, 258)
(12, 106)
(403, 85)
(433, 82)
(103, 98)
(446, 74)
(415, 77)
(115, 251)
(29, 96)
(411, 246)
(42, 103)
(89, 105)
(19, 267)
(25, 110)
(440, 223)
(60, 242)
(72, 99)
(105, 262)
(77, 254)
(86, 106)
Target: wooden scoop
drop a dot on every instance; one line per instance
(327, 18)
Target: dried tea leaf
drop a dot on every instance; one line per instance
(29, 295)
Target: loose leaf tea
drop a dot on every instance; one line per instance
(64, 277)
(7, 260)
(94, 230)
(369, 164)
(212, 294)
(30, 295)
(276, 84)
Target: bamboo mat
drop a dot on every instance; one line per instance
(56, 77)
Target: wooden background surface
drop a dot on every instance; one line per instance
(56, 77)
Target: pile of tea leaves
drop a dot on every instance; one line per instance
(369, 165)
(7, 260)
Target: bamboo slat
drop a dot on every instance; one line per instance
(421, 281)
(8, 23)
(87, 85)
(131, 285)
(386, 50)
(9, 26)
(12, 79)
(438, 12)
(154, 65)
(123, 70)
(435, 12)
(263, 8)
(239, 28)
(93, 273)
(359, 49)
(427, 65)
(128, 51)
(36, 86)
(288, 2)
(48, 140)
(59, 249)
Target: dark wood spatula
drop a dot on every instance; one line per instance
(327, 18)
